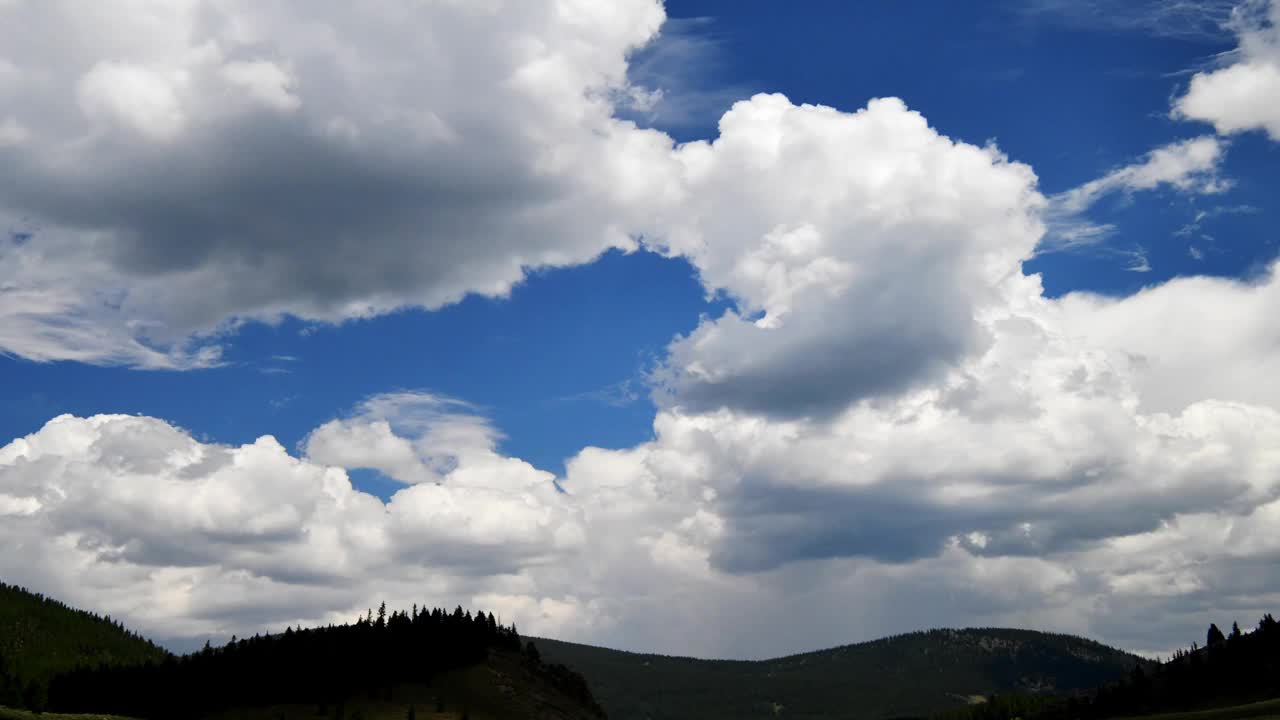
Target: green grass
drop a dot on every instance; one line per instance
(8, 714)
(1265, 710)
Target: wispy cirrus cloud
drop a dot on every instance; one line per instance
(672, 79)
(1197, 20)
(1187, 166)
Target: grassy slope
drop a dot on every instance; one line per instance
(502, 688)
(907, 675)
(7, 714)
(40, 636)
(1266, 710)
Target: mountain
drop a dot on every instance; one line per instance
(910, 675)
(40, 637)
(1232, 676)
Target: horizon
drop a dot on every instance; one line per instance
(640, 324)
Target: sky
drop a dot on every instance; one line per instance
(722, 329)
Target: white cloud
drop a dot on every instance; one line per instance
(1195, 338)
(1080, 457)
(417, 437)
(1187, 165)
(190, 166)
(1245, 94)
(134, 517)
(141, 98)
(263, 81)
(866, 243)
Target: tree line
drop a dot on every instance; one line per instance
(322, 665)
(40, 637)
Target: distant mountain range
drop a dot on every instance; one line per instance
(912, 675)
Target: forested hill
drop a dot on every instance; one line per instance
(437, 663)
(40, 636)
(916, 674)
(1232, 669)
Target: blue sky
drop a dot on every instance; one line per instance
(558, 366)
(636, 320)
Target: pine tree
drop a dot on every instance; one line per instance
(1214, 637)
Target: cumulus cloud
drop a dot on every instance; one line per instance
(1038, 444)
(859, 248)
(1245, 94)
(135, 517)
(1055, 479)
(187, 166)
(412, 437)
(1194, 337)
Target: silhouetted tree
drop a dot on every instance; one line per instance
(289, 667)
(1214, 638)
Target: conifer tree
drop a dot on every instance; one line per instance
(1214, 637)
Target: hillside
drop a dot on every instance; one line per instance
(40, 637)
(907, 675)
(1235, 675)
(428, 664)
(505, 686)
